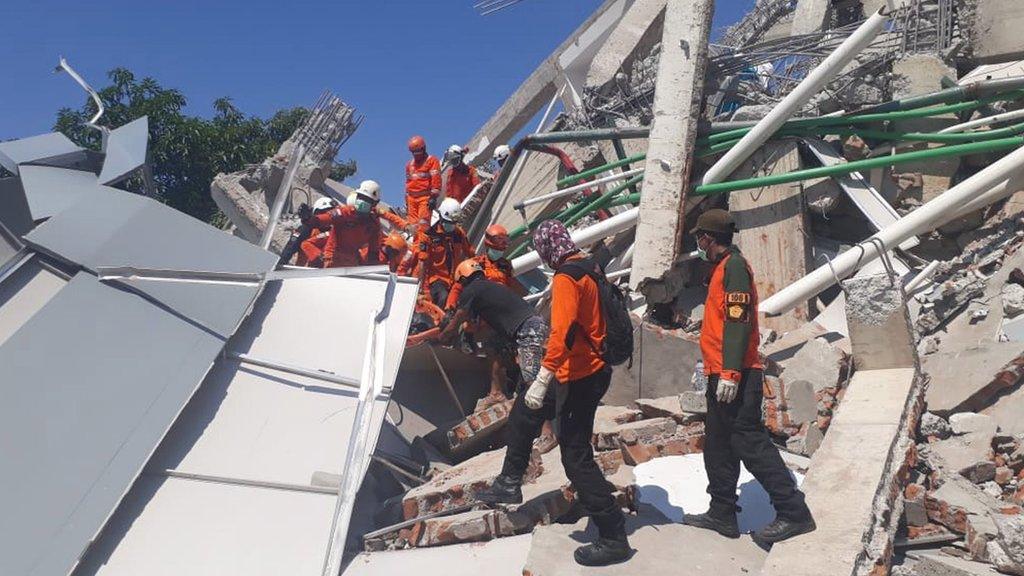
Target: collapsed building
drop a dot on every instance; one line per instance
(871, 152)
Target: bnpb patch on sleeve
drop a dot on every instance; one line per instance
(737, 306)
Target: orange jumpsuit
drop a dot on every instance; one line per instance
(353, 235)
(437, 253)
(422, 182)
(311, 250)
(461, 181)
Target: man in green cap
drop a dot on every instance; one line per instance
(734, 432)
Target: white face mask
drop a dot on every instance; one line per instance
(701, 252)
(363, 207)
(495, 254)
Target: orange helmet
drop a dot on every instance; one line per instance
(466, 269)
(396, 242)
(496, 236)
(417, 143)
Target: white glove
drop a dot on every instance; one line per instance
(534, 397)
(726, 391)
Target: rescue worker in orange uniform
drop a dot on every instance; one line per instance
(462, 177)
(393, 250)
(422, 182)
(729, 341)
(356, 230)
(438, 249)
(496, 267)
(311, 249)
(573, 358)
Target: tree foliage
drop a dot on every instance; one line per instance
(185, 152)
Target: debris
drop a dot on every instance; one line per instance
(934, 426)
(692, 402)
(666, 407)
(1013, 300)
(478, 427)
(968, 422)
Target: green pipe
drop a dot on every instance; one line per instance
(952, 94)
(839, 169)
(953, 138)
(620, 152)
(865, 118)
(601, 201)
(628, 199)
(595, 171)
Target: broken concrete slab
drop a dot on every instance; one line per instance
(935, 426)
(959, 452)
(932, 564)
(969, 422)
(649, 532)
(969, 378)
(639, 29)
(992, 28)
(693, 402)
(663, 364)
(666, 407)
(1007, 550)
(639, 431)
(687, 439)
(877, 316)
(818, 363)
(1007, 411)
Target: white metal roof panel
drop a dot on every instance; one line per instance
(34, 148)
(52, 190)
(126, 150)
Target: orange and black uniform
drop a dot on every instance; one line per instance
(354, 236)
(572, 353)
(734, 432)
(499, 271)
(461, 181)
(422, 182)
(437, 253)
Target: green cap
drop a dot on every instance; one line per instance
(715, 220)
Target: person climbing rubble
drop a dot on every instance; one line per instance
(437, 250)
(462, 177)
(573, 358)
(356, 230)
(729, 342)
(515, 324)
(422, 182)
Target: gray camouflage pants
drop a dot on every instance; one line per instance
(531, 337)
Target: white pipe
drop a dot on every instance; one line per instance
(466, 200)
(547, 112)
(932, 215)
(1016, 114)
(582, 238)
(922, 276)
(282, 195)
(573, 189)
(795, 100)
(610, 276)
(624, 260)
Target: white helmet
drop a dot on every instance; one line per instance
(501, 152)
(370, 190)
(456, 150)
(448, 211)
(324, 204)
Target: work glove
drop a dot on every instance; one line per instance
(726, 391)
(538, 389)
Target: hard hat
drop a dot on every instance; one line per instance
(456, 150)
(715, 220)
(370, 190)
(502, 152)
(417, 143)
(496, 236)
(396, 242)
(449, 210)
(324, 204)
(466, 269)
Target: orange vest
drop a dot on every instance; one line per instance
(574, 303)
(423, 178)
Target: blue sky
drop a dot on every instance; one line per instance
(431, 67)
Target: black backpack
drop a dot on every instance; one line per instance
(618, 340)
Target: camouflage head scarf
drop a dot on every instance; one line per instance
(553, 243)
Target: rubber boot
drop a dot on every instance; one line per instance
(603, 552)
(725, 525)
(504, 490)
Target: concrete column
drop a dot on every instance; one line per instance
(773, 229)
(677, 100)
(811, 16)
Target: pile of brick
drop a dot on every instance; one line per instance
(443, 511)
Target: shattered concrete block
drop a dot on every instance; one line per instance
(801, 400)
(934, 426)
(968, 422)
(980, 472)
(688, 439)
(634, 432)
(820, 364)
(1007, 550)
(1003, 475)
(693, 402)
(947, 300)
(1013, 300)
(958, 452)
(969, 379)
(665, 407)
(915, 512)
(806, 441)
(609, 417)
(956, 502)
(479, 426)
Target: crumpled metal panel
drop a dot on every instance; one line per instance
(50, 191)
(90, 385)
(126, 150)
(34, 148)
(14, 211)
(117, 228)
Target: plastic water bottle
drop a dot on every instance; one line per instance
(699, 381)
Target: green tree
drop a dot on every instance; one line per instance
(185, 152)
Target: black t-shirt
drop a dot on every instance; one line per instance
(496, 304)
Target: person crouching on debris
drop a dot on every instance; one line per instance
(734, 432)
(393, 249)
(573, 357)
(356, 230)
(307, 242)
(438, 249)
(514, 322)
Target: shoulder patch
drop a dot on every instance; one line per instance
(737, 307)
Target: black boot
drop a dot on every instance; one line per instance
(504, 490)
(604, 552)
(725, 525)
(782, 529)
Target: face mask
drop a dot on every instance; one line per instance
(363, 207)
(448, 226)
(495, 254)
(701, 252)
